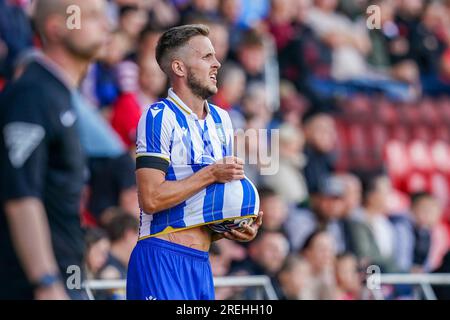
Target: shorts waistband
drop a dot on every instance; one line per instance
(175, 247)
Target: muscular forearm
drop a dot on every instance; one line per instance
(171, 193)
(31, 237)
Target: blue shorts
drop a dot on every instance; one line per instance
(162, 270)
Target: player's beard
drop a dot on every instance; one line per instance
(199, 89)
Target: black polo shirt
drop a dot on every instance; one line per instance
(41, 157)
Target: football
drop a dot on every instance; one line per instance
(230, 224)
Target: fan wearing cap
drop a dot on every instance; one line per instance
(327, 206)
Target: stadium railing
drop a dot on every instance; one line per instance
(262, 284)
(424, 281)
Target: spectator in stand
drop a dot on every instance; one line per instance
(230, 11)
(255, 105)
(320, 253)
(151, 82)
(326, 207)
(376, 191)
(353, 193)
(132, 20)
(148, 40)
(390, 47)
(128, 108)
(295, 279)
(161, 13)
(305, 57)
(207, 8)
(252, 56)
(122, 233)
(15, 35)
(280, 21)
(220, 35)
(220, 267)
(349, 40)
(267, 253)
(220, 38)
(320, 139)
(97, 248)
(112, 184)
(426, 213)
(253, 12)
(348, 280)
(443, 292)
(407, 18)
(232, 85)
(359, 239)
(289, 182)
(292, 106)
(276, 209)
(430, 42)
(101, 86)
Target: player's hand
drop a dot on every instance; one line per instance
(247, 232)
(228, 169)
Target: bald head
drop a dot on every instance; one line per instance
(80, 31)
(44, 9)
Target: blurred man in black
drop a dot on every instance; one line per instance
(41, 160)
(320, 138)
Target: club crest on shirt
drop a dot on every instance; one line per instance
(221, 134)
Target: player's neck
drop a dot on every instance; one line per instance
(195, 103)
(73, 69)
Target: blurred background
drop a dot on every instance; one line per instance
(364, 120)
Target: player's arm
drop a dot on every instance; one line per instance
(24, 165)
(31, 238)
(157, 194)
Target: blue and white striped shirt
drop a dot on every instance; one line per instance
(170, 130)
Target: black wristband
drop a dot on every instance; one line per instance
(46, 281)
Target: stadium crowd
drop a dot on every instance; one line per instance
(364, 131)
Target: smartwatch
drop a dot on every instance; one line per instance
(46, 281)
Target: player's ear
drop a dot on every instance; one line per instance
(178, 68)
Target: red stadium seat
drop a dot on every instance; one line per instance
(397, 162)
(442, 132)
(399, 132)
(440, 155)
(417, 182)
(387, 112)
(342, 143)
(410, 113)
(428, 112)
(420, 156)
(422, 132)
(358, 146)
(378, 136)
(440, 188)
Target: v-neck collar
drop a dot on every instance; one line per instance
(181, 105)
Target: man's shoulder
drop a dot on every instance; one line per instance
(35, 86)
(159, 109)
(22, 99)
